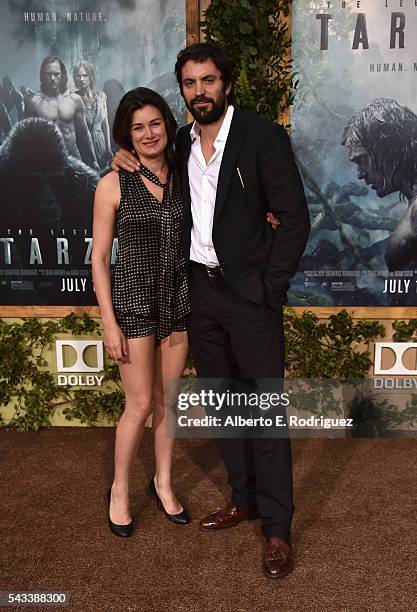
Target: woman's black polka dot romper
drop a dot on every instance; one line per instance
(149, 285)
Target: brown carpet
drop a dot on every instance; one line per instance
(354, 529)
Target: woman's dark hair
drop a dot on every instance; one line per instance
(64, 76)
(200, 52)
(134, 100)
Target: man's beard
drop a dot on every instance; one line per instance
(206, 117)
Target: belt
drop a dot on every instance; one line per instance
(211, 271)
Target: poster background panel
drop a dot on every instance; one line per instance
(46, 194)
(345, 260)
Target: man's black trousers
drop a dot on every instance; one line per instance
(232, 337)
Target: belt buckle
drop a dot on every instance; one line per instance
(214, 272)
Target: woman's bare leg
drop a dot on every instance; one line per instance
(137, 378)
(170, 357)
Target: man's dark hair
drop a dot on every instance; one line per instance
(387, 130)
(201, 52)
(134, 100)
(64, 75)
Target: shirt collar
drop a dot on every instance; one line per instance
(224, 129)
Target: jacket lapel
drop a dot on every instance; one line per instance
(184, 155)
(228, 165)
(184, 148)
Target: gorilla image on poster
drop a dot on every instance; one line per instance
(354, 129)
(64, 68)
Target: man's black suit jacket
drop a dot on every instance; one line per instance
(257, 260)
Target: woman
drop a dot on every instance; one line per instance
(95, 104)
(144, 312)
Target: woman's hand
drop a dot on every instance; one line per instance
(115, 342)
(125, 160)
(272, 220)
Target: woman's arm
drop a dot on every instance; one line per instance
(106, 201)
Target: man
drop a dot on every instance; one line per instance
(5, 124)
(381, 139)
(235, 168)
(11, 98)
(56, 103)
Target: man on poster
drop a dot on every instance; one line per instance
(56, 103)
(381, 139)
(235, 168)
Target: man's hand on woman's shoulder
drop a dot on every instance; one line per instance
(125, 160)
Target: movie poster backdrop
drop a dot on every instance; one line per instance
(354, 130)
(56, 118)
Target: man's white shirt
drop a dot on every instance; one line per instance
(203, 178)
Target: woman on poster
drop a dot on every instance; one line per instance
(95, 104)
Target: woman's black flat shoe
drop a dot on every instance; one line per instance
(123, 531)
(181, 518)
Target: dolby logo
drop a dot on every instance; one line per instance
(395, 358)
(78, 362)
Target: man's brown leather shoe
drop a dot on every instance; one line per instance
(227, 517)
(278, 560)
